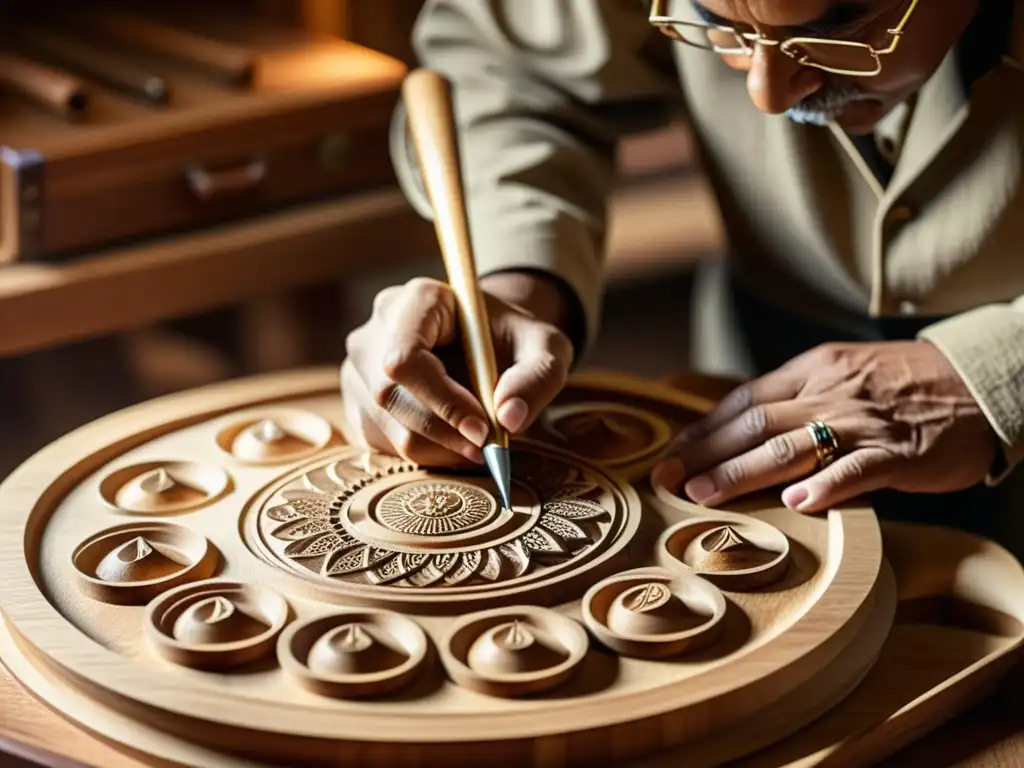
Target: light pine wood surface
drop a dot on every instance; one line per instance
(925, 654)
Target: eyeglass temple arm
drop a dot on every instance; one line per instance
(897, 31)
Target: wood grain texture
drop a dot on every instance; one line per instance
(887, 648)
(827, 601)
(44, 305)
(35, 735)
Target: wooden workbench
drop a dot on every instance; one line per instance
(990, 735)
(50, 304)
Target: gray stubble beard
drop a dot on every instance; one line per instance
(827, 104)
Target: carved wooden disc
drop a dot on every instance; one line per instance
(277, 596)
(610, 434)
(376, 529)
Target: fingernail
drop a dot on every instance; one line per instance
(473, 454)
(513, 413)
(701, 488)
(474, 430)
(795, 497)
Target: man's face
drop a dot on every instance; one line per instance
(779, 84)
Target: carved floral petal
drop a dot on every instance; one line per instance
(467, 567)
(566, 530)
(301, 505)
(317, 546)
(575, 509)
(490, 568)
(313, 506)
(356, 468)
(543, 542)
(397, 568)
(435, 570)
(320, 480)
(516, 553)
(284, 513)
(301, 529)
(356, 561)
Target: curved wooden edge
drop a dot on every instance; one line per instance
(18, 754)
(908, 725)
(64, 465)
(623, 495)
(811, 699)
(927, 561)
(932, 560)
(80, 719)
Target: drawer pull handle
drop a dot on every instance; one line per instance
(209, 185)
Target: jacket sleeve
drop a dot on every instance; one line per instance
(543, 90)
(986, 346)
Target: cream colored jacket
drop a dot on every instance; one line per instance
(546, 87)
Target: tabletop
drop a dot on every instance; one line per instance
(48, 304)
(988, 735)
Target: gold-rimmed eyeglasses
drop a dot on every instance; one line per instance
(841, 57)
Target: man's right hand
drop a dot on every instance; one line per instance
(402, 377)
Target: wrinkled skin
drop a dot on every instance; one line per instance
(903, 417)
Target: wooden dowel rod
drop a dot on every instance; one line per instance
(233, 64)
(108, 68)
(428, 100)
(55, 90)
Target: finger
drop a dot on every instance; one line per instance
(850, 476)
(378, 430)
(779, 385)
(750, 429)
(405, 412)
(421, 318)
(785, 457)
(542, 357)
(415, 388)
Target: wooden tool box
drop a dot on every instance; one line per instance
(259, 113)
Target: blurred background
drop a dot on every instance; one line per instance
(191, 192)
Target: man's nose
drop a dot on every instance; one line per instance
(777, 82)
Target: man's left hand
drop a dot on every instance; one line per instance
(903, 418)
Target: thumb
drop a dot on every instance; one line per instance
(542, 356)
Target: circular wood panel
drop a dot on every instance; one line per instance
(333, 602)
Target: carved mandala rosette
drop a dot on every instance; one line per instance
(382, 528)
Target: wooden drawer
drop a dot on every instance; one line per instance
(312, 124)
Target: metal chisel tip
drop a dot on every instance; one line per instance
(500, 464)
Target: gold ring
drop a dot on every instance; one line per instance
(826, 444)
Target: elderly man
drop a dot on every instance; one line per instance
(867, 159)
